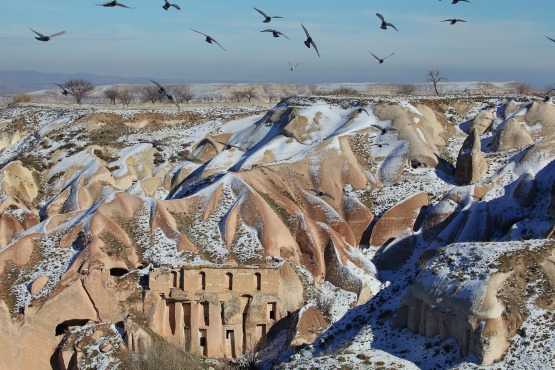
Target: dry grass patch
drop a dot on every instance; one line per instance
(22, 98)
(527, 279)
(162, 356)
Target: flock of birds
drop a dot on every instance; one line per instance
(309, 42)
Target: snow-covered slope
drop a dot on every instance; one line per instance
(358, 195)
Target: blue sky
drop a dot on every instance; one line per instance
(503, 40)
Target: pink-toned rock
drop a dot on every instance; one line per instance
(471, 164)
(8, 335)
(512, 136)
(101, 289)
(358, 217)
(105, 348)
(543, 114)
(398, 219)
(9, 227)
(136, 338)
(38, 284)
(309, 324)
(19, 252)
(482, 122)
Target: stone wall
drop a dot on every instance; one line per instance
(217, 311)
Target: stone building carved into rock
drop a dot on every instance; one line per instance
(220, 311)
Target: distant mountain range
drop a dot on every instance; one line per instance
(32, 81)
(27, 81)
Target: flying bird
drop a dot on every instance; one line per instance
(292, 67)
(209, 39)
(383, 130)
(267, 18)
(162, 91)
(360, 110)
(309, 41)
(380, 60)
(275, 33)
(44, 37)
(550, 38)
(321, 193)
(111, 4)
(65, 91)
(456, 1)
(167, 5)
(380, 145)
(454, 20)
(229, 146)
(385, 24)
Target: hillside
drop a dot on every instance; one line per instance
(421, 229)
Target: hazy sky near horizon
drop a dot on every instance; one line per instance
(503, 40)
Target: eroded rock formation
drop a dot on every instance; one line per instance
(110, 217)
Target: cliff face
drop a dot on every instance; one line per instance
(95, 200)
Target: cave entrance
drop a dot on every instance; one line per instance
(64, 326)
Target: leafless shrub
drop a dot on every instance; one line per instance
(292, 90)
(111, 94)
(183, 94)
(150, 94)
(21, 98)
(269, 92)
(406, 89)
(237, 95)
(161, 355)
(215, 98)
(484, 87)
(344, 91)
(522, 88)
(126, 96)
(249, 93)
(348, 91)
(310, 89)
(248, 360)
(79, 88)
(435, 77)
(549, 89)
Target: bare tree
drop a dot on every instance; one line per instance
(126, 96)
(22, 98)
(548, 91)
(310, 89)
(549, 88)
(345, 91)
(79, 88)
(406, 89)
(434, 76)
(249, 93)
(237, 95)
(111, 94)
(183, 94)
(150, 93)
(268, 90)
(522, 88)
(291, 90)
(483, 86)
